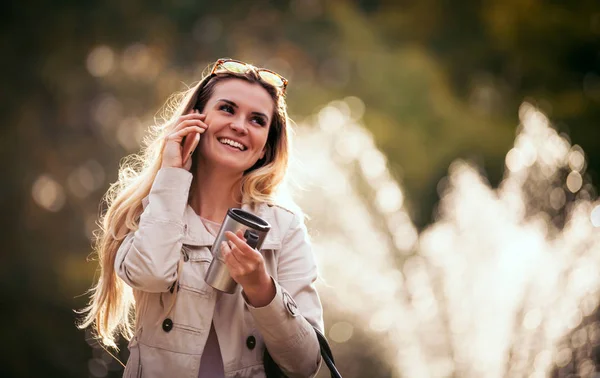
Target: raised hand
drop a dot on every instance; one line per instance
(187, 126)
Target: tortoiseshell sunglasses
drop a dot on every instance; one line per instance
(238, 67)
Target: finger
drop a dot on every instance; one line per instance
(198, 123)
(246, 261)
(178, 136)
(235, 249)
(242, 261)
(237, 239)
(195, 114)
(240, 235)
(190, 122)
(230, 259)
(225, 251)
(188, 117)
(242, 250)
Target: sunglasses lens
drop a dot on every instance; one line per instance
(235, 67)
(271, 78)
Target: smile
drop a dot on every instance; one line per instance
(232, 143)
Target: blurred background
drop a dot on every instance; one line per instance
(448, 151)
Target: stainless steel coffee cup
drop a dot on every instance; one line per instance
(255, 231)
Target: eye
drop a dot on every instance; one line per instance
(226, 108)
(259, 121)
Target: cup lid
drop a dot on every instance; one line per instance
(249, 219)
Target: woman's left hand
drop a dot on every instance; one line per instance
(247, 267)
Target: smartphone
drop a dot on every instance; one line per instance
(190, 142)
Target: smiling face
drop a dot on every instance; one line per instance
(238, 115)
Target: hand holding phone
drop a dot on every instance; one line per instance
(191, 140)
(183, 140)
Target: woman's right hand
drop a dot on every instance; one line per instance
(186, 125)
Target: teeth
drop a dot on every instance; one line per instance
(232, 143)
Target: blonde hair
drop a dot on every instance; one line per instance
(111, 304)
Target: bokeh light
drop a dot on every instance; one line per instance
(130, 133)
(576, 159)
(341, 332)
(595, 216)
(101, 61)
(86, 178)
(48, 193)
(574, 181)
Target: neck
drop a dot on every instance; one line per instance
(214, 192)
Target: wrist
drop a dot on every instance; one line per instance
(262, 293)
(166, 164)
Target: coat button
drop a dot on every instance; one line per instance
(289, 303)
(251, 342)
(167, 325)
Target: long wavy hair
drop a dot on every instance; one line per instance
(111, 308)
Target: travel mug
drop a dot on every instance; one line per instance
(255, 231)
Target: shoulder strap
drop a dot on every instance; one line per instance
(327, 355)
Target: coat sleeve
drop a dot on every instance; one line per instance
(147, 258)
(286, 323)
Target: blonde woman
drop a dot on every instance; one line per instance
(162, 219)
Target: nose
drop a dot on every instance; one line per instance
(239, 127)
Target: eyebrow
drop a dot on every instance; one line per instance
(236, 106)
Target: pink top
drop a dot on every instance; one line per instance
(211, 363)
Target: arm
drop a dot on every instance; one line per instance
(286, 323)
(147, 258)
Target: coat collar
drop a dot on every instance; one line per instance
(197, 235)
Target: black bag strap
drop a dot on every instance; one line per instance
(327, 355)
(272, 370)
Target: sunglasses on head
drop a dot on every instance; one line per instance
(238, 67)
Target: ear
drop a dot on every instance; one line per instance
(262, 154)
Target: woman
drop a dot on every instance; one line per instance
(162, 220)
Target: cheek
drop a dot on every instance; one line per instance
(213, 122)
(264, 135)
(261, 140)
(209, 118)
(212, 115)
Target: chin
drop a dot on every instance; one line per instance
(234, 166)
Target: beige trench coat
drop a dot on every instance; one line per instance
(165, 262)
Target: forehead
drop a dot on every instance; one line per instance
(245, 94)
